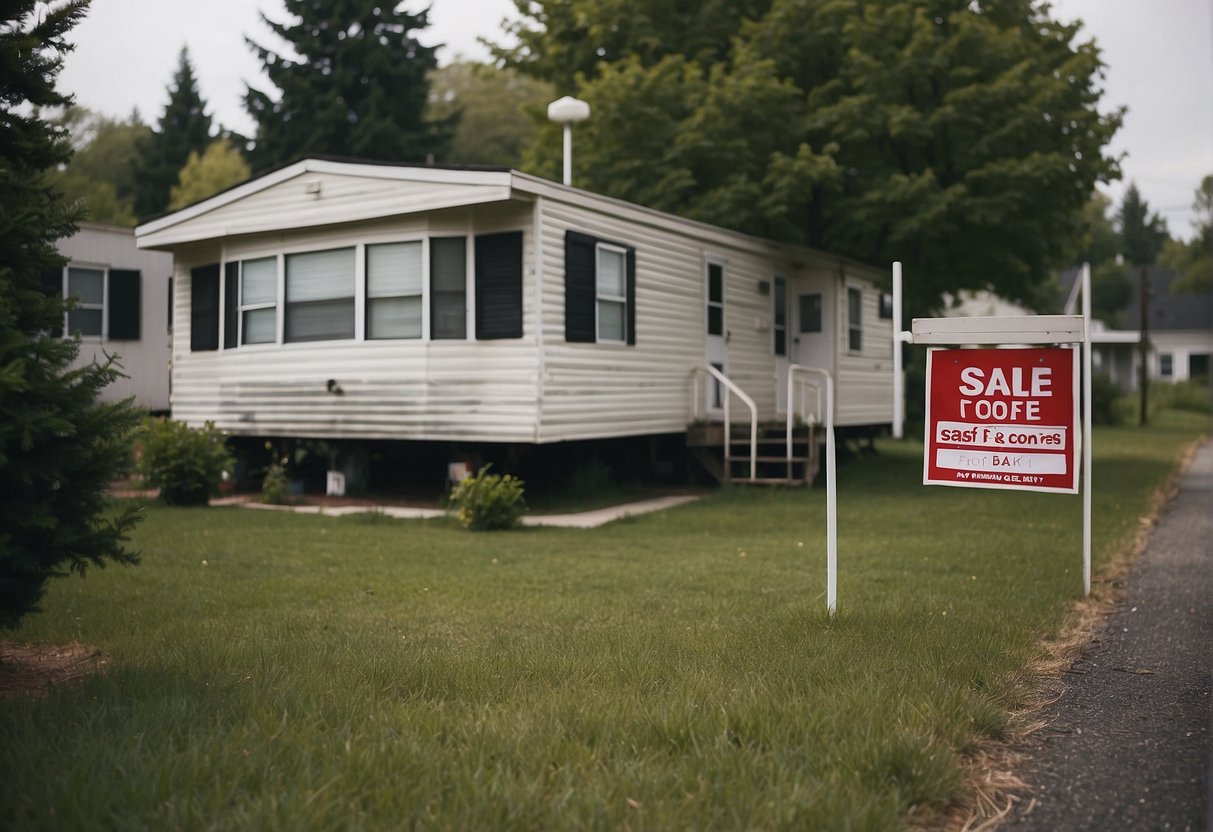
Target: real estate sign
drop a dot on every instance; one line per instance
(1002, 418)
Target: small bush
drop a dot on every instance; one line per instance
(488, 501)
(273, 485)
(185, 464)
(1183, 395)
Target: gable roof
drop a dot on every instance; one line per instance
(1168, 311)
(291, 198)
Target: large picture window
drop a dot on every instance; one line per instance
(320, 296)
(393, 290)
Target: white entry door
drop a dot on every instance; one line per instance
(812, 329)
(715, 337)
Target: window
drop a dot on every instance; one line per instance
(259, 301)
(393, 290)
(886, 306)
(448, 288)
(599, 290)
(1198, 366)
(810, 312)
(320, 296)
(87, 286)
(779, 316)
(854, 319)
(1165, 364)
(108, 301)
(611, 298)
(715, 299)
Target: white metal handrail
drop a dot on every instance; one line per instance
(806, 386)
(730, 387)
(831, 478)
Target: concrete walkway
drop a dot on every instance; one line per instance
(1127, 745)
(582, 520)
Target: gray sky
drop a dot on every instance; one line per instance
(1159, 55)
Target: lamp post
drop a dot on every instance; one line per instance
(567, 111)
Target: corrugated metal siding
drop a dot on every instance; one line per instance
(407, 389)
(146, 361)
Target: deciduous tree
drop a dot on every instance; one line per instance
(102, 172)
(960, 137)
(1194, 259)
(498, 111)
(59, 447)
(219, 168)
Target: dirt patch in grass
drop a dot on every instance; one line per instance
(30, 670)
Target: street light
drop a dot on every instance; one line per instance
(567, 111)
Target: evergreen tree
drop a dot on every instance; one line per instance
(59, 447)
(184, 128)
(1142, 234)
(359, 87)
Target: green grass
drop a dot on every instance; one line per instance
(673, 671)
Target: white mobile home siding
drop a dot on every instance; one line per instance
(145, 362)
(391, 389)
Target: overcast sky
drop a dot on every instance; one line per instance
(1159, 55)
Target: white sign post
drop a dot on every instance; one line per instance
(967, 435)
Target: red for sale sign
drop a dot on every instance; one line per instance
(1002, 419)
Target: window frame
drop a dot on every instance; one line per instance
(800, 316)
(600, 297)
(284, 284)
(710, 304)
(102, 307)
(242, 307)
(855, 328)
(779, 291)
(422, 292)
(430, 302)
(1166, 365)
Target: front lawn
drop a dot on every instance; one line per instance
(673, 671)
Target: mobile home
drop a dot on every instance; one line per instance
(351, 301)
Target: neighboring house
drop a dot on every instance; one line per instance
(343, 300)
(1179, 330)
(122, 309)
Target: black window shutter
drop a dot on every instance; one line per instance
(204, 308)
(125, 305)
(580, 292)
(631, 296)
(231, 304)
(52, 285)
(499, 285)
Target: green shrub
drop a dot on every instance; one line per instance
(1105, 401)
(1183, 395)
(185, 464)
(273, 485)
(488, 501)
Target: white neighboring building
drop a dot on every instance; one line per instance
(123, 309)
(1179, 328)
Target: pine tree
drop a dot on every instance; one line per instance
(59, 447)
(184, 128)
(358, 89)
(1142, 234)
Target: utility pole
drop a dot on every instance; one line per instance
(1143, 346)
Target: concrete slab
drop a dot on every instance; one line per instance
(581, 520)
